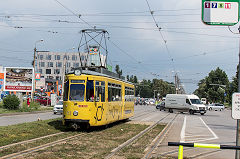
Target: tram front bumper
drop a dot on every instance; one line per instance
(68, 121)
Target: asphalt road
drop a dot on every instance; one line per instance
(23, 118)
(214, 127)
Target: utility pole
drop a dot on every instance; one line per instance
(176, 83)
(237, 156)
(63, 74)
(34, 59)
(154, 94)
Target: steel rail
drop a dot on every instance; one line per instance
(29, 141)
(34, 149)
(159, 138)
(130, 141)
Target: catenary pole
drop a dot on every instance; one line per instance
(237, 156)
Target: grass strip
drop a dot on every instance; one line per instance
(26, 131)
(22, 147)
(136, 150)
(97, 143)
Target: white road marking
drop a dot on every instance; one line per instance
(182, 139)
(215, 136)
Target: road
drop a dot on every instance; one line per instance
(214, 127)
(22, 118)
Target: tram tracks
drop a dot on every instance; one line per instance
(130, 141)
(34, 145)
(158, 139)
(142, 114)
(37, 148)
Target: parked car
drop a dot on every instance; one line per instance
(151, 102)
(43, 100)
(58, 108)
(161, 106)
(216, 106)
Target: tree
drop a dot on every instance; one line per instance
(233, 87)
(214, 86)
(127, 77)
(146, 88)
(118, 71)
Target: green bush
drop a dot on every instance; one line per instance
(1, 104)
(11, 102)
(33, 106)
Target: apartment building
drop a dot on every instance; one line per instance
(51, 64)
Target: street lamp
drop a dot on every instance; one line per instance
(34, 58)
(35, 51)
(64, 69)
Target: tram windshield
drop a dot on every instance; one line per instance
(77, 92)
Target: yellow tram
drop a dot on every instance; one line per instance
(93, 99)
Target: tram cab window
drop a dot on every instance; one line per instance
(90, 91)
(77, 92)
(66, 89)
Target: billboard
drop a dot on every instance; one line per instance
(40, 83)
(18, 79)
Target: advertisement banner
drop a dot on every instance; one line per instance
(1, 81)
(40, 84)
(18, 79)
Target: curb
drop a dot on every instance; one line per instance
(22, 113)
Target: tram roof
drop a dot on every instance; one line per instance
(100, 72)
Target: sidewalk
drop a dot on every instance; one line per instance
(20, 113)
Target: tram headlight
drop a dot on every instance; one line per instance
(75, 113)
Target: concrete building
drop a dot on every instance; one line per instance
(51, 65)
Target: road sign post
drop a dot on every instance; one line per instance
(236, 115)
(220, 12)
(224, 12)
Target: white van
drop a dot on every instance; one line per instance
(184, 103)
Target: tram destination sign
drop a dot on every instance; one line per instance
(220, 12)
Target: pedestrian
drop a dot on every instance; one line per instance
(28, 101)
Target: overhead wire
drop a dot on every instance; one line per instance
(77, 15)
(159, 29)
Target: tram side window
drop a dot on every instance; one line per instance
(90, 91)
(114, 92)
(77, 92)
(103, 91)
(129, 94)
(98, 91)
(66, 88)
(110, 97)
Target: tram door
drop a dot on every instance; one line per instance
(100, 100)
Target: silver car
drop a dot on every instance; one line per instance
(58, 108)
(216, 106)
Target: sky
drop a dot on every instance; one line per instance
(184, 44)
